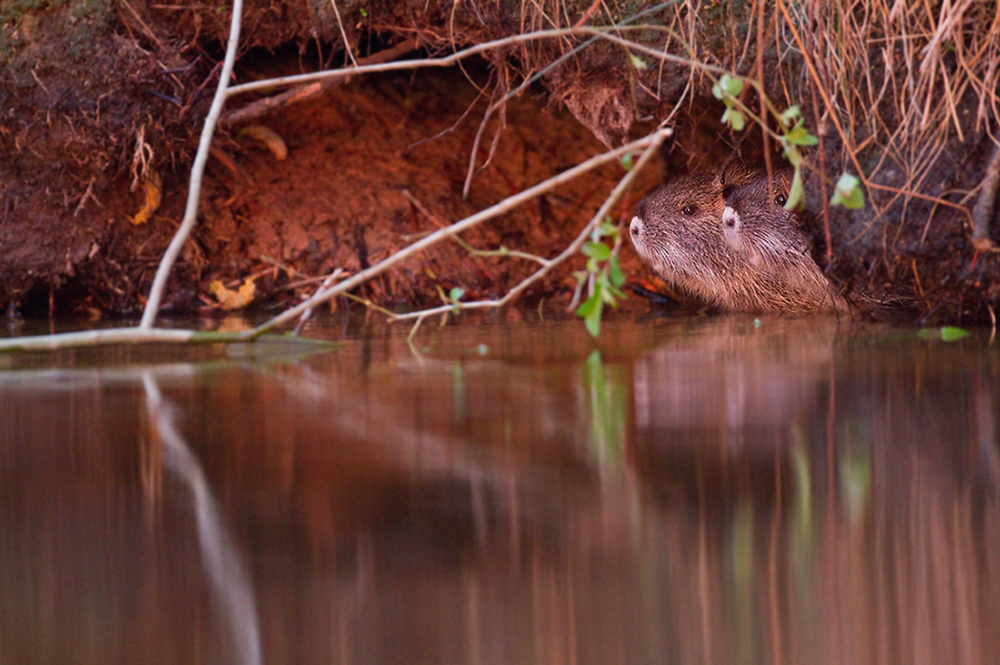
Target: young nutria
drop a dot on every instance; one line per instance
(732, 245)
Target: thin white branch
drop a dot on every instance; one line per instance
(197, 170)
(96, 338)
(454, 58)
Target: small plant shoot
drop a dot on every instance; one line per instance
(455, 295)
(604, 275)
(727, 89)
(795, 136)
(848, 193)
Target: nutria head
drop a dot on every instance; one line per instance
(732, 246)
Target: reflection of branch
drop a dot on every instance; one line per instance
(510, 202)
(222, 563)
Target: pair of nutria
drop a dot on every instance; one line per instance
(726, 239)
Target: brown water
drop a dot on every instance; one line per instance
(713, 490)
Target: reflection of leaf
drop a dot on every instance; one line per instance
(945, 334)
(607, 404)
(951, 333)
(230, 300)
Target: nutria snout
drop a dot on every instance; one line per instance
(730, 243)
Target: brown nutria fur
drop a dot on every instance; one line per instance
(728, 241)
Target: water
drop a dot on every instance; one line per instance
(713, 490)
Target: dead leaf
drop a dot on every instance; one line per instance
(230, 300)
(152, 189)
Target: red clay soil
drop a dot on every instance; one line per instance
(94, 93)
(340, 200)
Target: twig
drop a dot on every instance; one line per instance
(343, 35)
(330, 279)
(573, 248)
(458, 56)
(310, 90)
(197, 170)
(587, 14)
(502, 252)
(89, 194)
(503, 206)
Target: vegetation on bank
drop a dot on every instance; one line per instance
(901, 97)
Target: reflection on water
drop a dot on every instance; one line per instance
(688, 491)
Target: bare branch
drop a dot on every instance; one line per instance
(467, 223)
(197, 170)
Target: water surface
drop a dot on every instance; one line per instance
(709, 490)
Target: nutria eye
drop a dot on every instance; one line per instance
(688, 210)
(780, 199)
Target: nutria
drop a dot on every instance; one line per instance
(729, 242)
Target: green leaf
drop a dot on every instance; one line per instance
(363, 12)
(615, 273)
(797, 192)
(793, 155)
(588, 305)
(637, 62)
(593, 320)
(848, 192)
(737, 120)
(717, 91)
(627, 161)
(846, 184)
(597, 251)
(731, 84)
(590, 312)
(799, 135)
(789, 114)
(608, 227)
(952, 334)
(456, 294)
